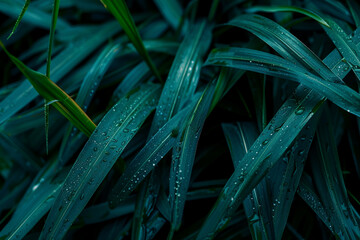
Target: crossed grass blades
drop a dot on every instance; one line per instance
(179, 119)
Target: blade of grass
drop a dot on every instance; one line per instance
(261, 62)
(86, 93)
(36, 202)
(284, 43)
(121, 12)
(55, 14)
(275, 9)
(344, 43)
(183, 76)
(184, 154)
(98, 156)
(51, 92)
(330, 184)
(64, 62)
(27, 2)
(149, 156)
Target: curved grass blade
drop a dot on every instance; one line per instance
(51, 92)
(55, 14)
(64, 62)
(330, 183)
(27, 2)
(275, 9)
(257, 61)
(219, 215)
(257, 205)
(171, 10)
(119, 9)
(284, 43)
(35, 203)
(146, 160)
(345, 45)
(307, 192)
(98, 156)
(261, 157)
(183, 76)
(184, 154)
(87, 91)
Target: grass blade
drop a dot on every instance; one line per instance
(52, 93)
(261, 62)
(275, 9)
(183, 76)
(284, 43)
(119, 9)
(330, 183)
(27, 2)
(64, 62)
(99, 154)
(35, 203)
(184, 155)
(146, 160)
(87, 91)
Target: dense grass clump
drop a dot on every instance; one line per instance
(171, 119)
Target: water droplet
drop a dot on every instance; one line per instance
(82, 196)
(265, 142)
(299, 111)
(95, 149)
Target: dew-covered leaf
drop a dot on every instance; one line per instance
(183, 76)
(149, 156)
(87, 92)
(266, 63)
(99, 154)
(184, 154)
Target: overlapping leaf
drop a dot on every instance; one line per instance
(99, 154)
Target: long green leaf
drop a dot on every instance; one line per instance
(53, 93)
(98, 156)
(86, 93)
(184, 155)
(183, 76)
(275, 9)
(35, 203)
(27, 2)
(220, 213)
(330, 183)
(119, 9)
(284, 43)
(146, 160)
(253, 60)
(64, 62)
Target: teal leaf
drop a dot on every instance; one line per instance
(99, 154)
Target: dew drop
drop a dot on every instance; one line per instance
(299, 111)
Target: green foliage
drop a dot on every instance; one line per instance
(254, 134)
